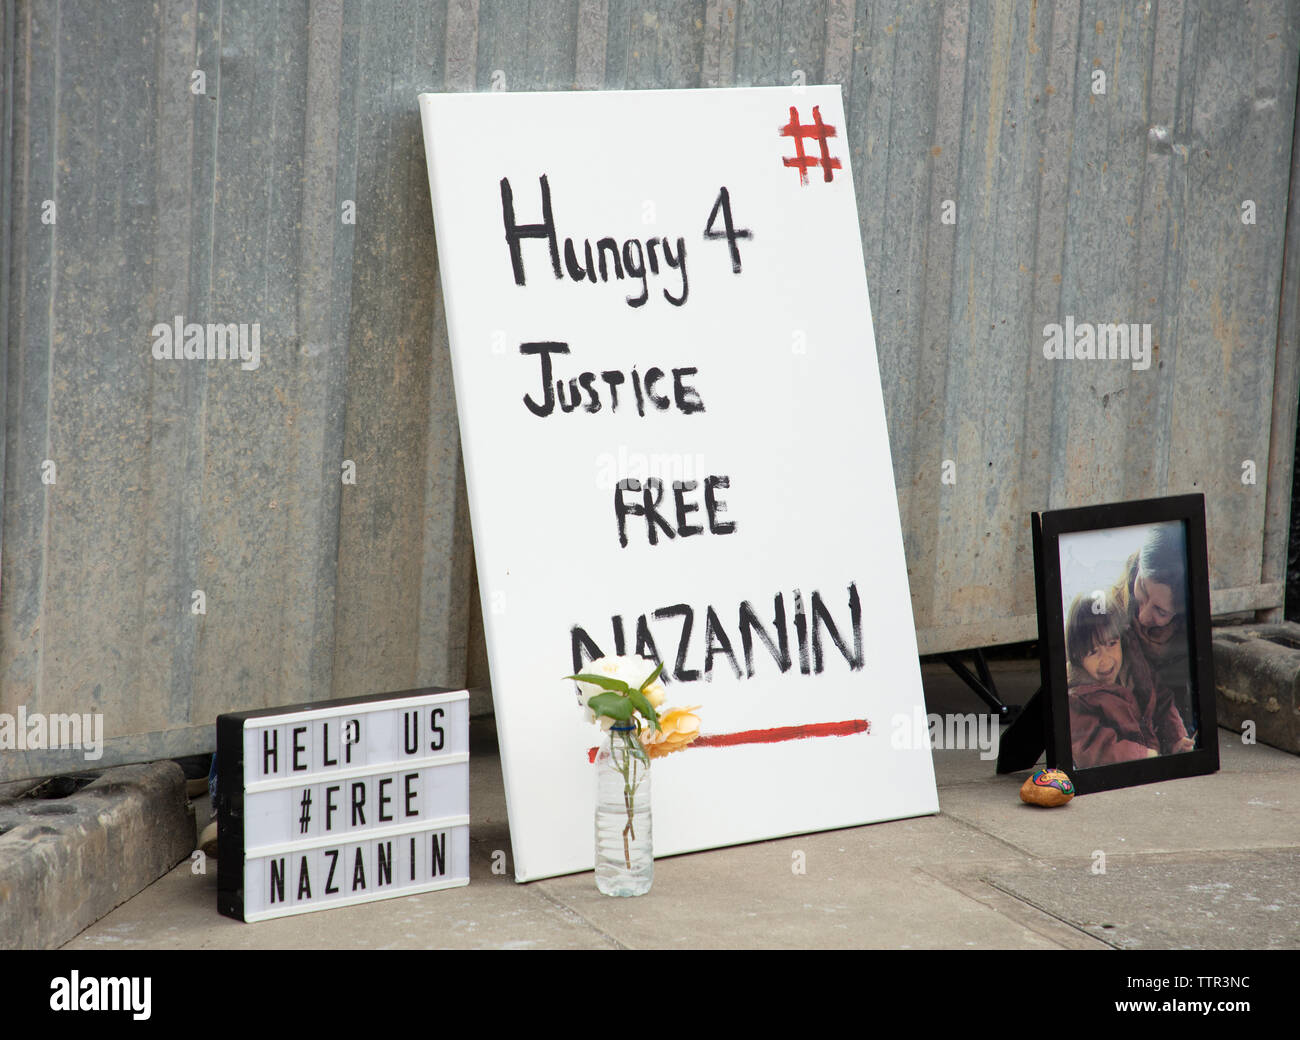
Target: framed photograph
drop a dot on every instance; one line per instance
(1124, 642)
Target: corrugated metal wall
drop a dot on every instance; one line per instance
(226, 201)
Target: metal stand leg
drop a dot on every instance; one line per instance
(982, 684)
(1026, 739)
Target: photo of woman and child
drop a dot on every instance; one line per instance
(1127, 650)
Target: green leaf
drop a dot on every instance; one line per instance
(652, 676)
(605, 682)
(611, 705)
(643, 705)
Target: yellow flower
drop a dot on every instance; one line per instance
(678, 727)
(656, 695)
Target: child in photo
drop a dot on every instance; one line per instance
(1118, 711)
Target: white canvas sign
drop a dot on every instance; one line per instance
(675, 445)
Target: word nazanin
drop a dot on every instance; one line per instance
(352, 870)
(693, 649)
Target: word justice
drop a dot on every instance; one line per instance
(684, 395)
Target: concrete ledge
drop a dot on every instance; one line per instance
(71, 853)
(1257, 678)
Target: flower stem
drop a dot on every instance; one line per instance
(629, 796)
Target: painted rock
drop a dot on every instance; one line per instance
(1047, 787)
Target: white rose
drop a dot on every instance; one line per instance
(629, 668)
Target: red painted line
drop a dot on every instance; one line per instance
(773, 736)
(782, 733)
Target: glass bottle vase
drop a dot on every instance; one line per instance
(624, 847)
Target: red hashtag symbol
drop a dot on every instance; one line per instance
(819, 130)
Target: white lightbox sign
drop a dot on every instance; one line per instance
(343, 802)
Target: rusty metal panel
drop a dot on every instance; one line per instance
(225, 202)
(999, 191)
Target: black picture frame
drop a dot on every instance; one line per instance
(1075, 729)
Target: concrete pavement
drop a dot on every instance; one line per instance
(1202, 863)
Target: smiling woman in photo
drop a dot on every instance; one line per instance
(1153, 594)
